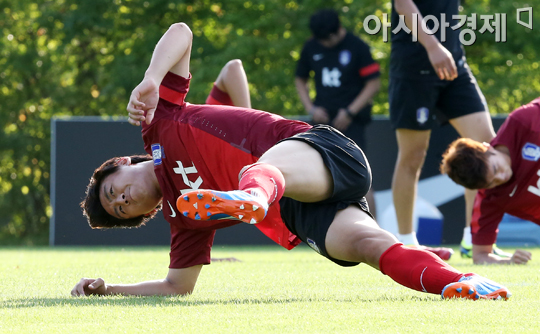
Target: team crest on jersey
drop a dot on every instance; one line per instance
(157, 154)
(530, 152)
(345, 57)
(422, 115)
(313, 245)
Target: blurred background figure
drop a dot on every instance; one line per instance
(426, 77)
(346, 79)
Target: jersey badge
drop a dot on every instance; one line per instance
(530, 152)
(157, 155)
(345, 57)
(422, 115)
(313, 245)
(318, 57)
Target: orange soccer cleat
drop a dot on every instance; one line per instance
(213, 205)
(472, 286)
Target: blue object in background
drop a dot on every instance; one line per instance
(429, 231)
(514, 232)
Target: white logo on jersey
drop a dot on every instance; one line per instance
(172, 210)
(513, 191)
(331, 78)
(318, 57)
(533, 189)
(184, 172)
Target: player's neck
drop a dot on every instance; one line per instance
(147, 172)
(505, 153)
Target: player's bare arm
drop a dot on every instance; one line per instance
(483, 254)
(319, 114)
(177, 282)
(172, 53)
(344, 117)
(441, 59)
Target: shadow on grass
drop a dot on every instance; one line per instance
(186, 301)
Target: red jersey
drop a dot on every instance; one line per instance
(520, 196)
(203, 147)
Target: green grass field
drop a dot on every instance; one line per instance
(270, 290)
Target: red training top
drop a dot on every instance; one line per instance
(205, 147)
(520, 196)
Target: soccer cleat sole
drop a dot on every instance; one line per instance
(213, 205)
(467, 291)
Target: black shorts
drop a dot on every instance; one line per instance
(418, 104)
(352, 179)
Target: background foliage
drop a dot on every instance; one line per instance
(66, 57)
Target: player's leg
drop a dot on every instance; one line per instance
(464, 105)
(306, 177)
(412, 148)
(477, 126)
(291, 168)
(232, 80)
(412, 104)
(354, 236)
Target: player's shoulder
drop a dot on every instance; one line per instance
(354, 38)
(527, 114)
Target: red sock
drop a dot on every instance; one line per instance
(417, 269)
(266, 180)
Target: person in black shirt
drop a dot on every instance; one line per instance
(430, 78)
(346, 78)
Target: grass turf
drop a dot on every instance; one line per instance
(269, 290)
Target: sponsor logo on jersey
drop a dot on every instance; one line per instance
(173, 213)
(313, 245)
(156, 154)
(330, 78)
(422, 115)
(530, 152)
(318, 57)
(533, 189)
(345, 57)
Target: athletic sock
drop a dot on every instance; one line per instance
(467, 237)
(408, 239)
(263, 181)
(417, 269)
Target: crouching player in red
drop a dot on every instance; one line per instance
(507, 172)
(301, 183)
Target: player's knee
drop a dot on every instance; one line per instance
(234, 65)
(412, 160)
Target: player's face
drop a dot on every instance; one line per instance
(499, 169)
(127, 193)
(330, 42)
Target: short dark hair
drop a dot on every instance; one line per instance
(466, 163)
(95, 213)
(324, 23)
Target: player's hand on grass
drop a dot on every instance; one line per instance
(521, 257)
(320, 116)
(342, 120)
(144, 99)
(89, 286)
(442, 61)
